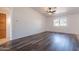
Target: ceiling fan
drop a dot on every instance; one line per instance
(51, 10)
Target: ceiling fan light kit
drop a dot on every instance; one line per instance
(51, 10)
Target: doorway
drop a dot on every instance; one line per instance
(3, 38)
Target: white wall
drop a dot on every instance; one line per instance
(26, 21)
(72, 27)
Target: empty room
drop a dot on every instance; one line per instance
(39, 28)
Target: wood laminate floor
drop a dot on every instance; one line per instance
(47, 41)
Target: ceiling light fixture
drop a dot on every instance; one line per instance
(51, 10)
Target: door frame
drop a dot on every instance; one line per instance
(7, 11)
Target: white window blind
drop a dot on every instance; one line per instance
(60, 21)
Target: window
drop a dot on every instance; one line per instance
(60, 21)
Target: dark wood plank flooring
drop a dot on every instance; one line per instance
(46, 41)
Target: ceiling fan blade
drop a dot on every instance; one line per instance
(53, 11)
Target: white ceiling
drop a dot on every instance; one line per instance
(59, 10)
